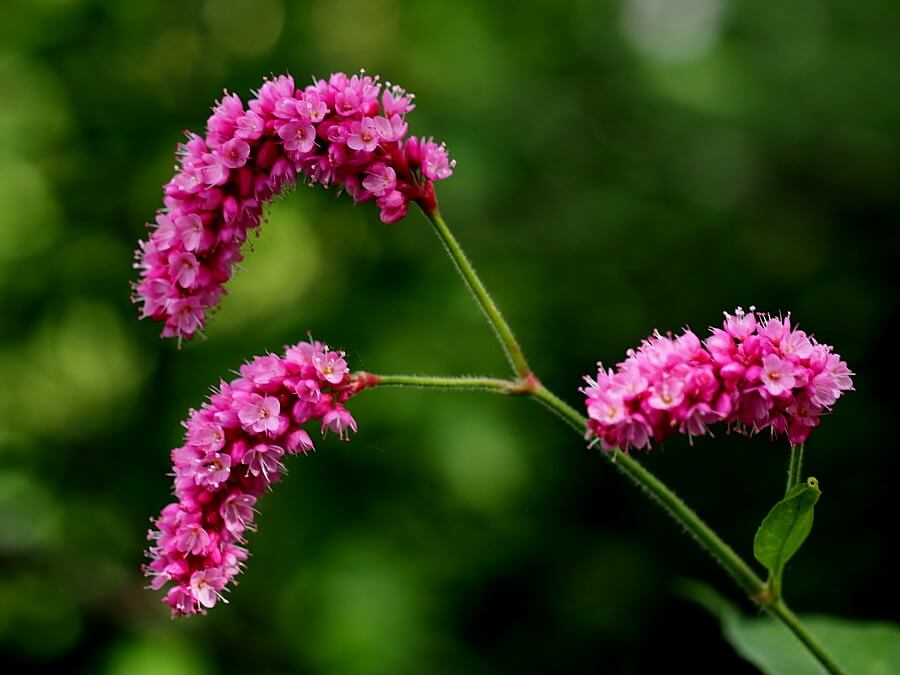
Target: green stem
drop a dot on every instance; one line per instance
(561, 408)
(795, 468)
(482, 297)
(746, 578)
(469, 383)
(662, 495)
(528, 384)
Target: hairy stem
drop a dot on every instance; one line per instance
(467, 382)
(571, 416)
(665, 497)
(528, 384)
(482, 297)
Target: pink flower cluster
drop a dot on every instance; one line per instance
(754, 373)
(347, 131)
(233, 450)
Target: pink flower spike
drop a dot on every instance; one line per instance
(754, 373)
(233, 451)
(336, 132)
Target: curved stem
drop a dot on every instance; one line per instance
(482, 297)
(746, 578)
(528, 384)
(672, 503)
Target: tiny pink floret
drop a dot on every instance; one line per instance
(234, 449)
(347, 131)
(754, 373)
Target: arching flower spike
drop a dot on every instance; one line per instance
(347, 131)
(234, 448)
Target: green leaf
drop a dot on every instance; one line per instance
(785, 528)
(861, 648)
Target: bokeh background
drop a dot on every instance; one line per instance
(623, 166)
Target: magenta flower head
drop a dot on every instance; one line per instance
(754, 373)
(234, 448)
(349, 132)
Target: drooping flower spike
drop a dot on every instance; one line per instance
(348, 131)
(754, 373)
(234, 448)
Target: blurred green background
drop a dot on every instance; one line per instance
(623, 166)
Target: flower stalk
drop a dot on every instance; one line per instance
(467, 383)
(504, 333)
(528, 384)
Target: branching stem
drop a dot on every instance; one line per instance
(527, 384)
